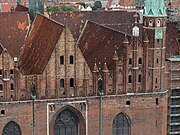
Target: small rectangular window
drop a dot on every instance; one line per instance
(0, 72)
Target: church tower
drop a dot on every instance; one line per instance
(154, 25)
(34, 7)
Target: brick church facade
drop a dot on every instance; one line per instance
(82, 73)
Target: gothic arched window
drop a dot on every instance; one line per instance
(139, 78)
(71, 59)
(11, 128)
(66, 123)
(62, 83)
(130, 61)
(62, 60)
(140, 61)
(121, 125)
(129, 79)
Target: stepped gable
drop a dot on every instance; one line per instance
(13, 29)
(40, 44)
(119, 20)
(100, 42)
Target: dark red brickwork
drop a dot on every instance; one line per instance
(145, 115)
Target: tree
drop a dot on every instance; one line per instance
(67, 8)
(98, 4)
(53, 9)
(81, 3)
(94, 8)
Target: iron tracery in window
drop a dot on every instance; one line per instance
(66, 123)
(11, 129)
(121, 125)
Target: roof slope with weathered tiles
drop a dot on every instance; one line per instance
(21, 8)
(172, 44)
(13, 30)
(120, 20)
(40, 44)
(99, 43)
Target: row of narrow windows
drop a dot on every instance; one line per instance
(62, 83)
(139, 79)
(11, 72)
(130, 78)
(71, 60)
(139, 61)
(11, 87)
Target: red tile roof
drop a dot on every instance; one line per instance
(13, 29)
(120, 20)
(21, 8)
(40, 44)
(99, 43)
(172, 44)
(7, 7)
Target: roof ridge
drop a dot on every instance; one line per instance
(54, 21)
(101, 25)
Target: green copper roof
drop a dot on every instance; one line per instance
(154, 8)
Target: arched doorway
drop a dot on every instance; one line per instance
(11, 128)
(121, 125)
(69, 122)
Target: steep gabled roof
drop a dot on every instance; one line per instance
(40, 44)
(13, 30)
(21, 8)
(120, 20)
(98, 43)
(172, 44)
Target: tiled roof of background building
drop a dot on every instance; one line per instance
(172, 44)
(13, 29)
(120, 20)
(40, 44)
(21, 8)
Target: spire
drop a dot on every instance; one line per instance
(115, 56)
(136, 17)
(95, 67)
(105, 68)
(135, 30)
(125, 40)
(154, 8)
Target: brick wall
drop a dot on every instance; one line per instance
(147, 117)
